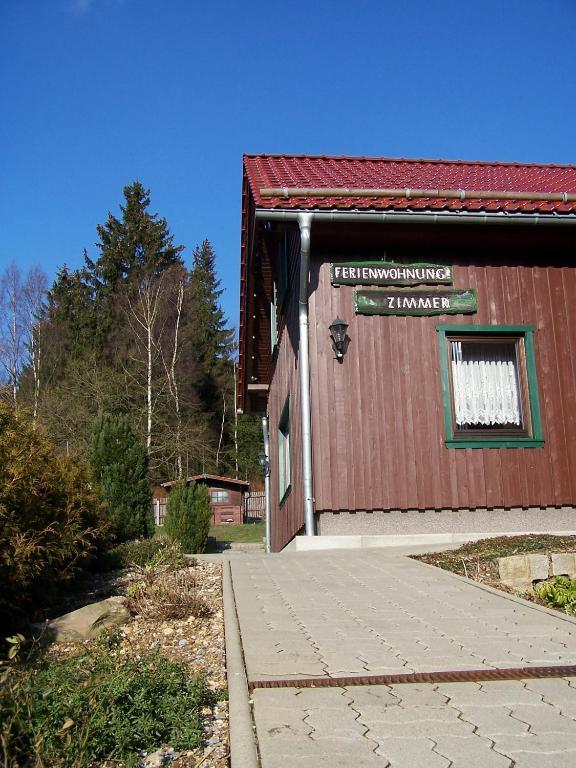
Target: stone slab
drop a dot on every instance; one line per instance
(521, 571)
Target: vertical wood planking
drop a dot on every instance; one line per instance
(378, 425)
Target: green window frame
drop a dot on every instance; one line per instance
(284, 457)
(530, 435)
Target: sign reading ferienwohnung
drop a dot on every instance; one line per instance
(389, 273)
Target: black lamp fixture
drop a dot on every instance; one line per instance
(338, 330)
(264, 462)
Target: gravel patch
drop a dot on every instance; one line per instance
(196, 642)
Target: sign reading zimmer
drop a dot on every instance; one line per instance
(447, 301)
(389, 273)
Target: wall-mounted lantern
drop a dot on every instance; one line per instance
(264, 462)
(338, 330)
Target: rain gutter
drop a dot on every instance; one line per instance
(266, 441)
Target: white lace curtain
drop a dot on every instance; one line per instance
(485, 379)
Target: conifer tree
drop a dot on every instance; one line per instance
(209, 339)
(120, 463)
(188, 516)
(137, 245)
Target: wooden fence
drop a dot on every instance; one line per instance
(254, 506)
(159, 511)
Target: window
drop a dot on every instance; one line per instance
(284, 469)
(220, 497)
(489, 387)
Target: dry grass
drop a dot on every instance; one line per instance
(164, 592)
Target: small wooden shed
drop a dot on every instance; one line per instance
(226, 496)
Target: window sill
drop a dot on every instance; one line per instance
(503, 442)
(286, 494)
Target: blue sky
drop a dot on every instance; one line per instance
(97, 93)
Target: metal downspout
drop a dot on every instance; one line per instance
(305, 222)
(266, 441)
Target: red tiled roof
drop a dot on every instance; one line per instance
(342, 173)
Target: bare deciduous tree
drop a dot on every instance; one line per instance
(21, 302)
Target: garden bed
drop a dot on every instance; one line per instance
(175, 630)
(478, 560)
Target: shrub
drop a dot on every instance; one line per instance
(188, 516)
(93, 707)
(120, 465)
(161, 551)
(560, 592)
(163, 592)
(50, 518)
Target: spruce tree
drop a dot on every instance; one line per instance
(188, 516)
(138, 243)
(120, 464)
(208, 337)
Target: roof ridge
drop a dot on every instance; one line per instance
(420, 160)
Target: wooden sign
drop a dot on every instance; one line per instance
(389, 273)
(422, 301)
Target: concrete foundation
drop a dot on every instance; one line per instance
(447, 521)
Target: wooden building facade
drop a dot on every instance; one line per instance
(452, 409)
(226, 496)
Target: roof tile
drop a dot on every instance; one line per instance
(305, 171)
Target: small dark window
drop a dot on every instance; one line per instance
(284, 463)
(219, 497)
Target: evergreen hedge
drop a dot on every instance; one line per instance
(188, 516)
(120, 465)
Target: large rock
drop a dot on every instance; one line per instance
(87, 622)
(564, 564)
(521, 571)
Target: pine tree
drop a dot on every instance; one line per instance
(120, 464)
(209, 340)
(188, 516)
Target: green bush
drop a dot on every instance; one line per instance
(50, 518)
(120, 465)
(79, 711)
(188, 516)
(157, 551)
(561, 592)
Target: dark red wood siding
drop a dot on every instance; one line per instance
(287, 519)
(377, 418)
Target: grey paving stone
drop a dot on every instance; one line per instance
(372, 695)
(431, 729)
(321, 698)
(411, 753)
(556, 745)
(490, 721)
(368, 760)
(418, 695)
(300, 747)
(282, 726)
(488, 694)
(331, 723)
(544, 719)
(558, 689)
(470, 752)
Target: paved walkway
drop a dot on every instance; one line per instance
(354, 613)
